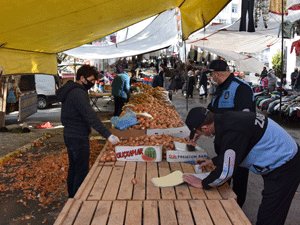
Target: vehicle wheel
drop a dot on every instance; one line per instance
(42, 102)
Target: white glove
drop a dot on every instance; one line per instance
(113, 139)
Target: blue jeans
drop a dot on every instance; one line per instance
(78, 153)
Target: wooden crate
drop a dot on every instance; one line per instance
(152, 212)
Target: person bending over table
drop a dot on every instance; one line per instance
(232, 94)
(253, 141)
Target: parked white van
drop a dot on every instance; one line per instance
(46, 86)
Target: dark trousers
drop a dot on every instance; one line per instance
(247, 6)
(78, 153)
(239, 184)
(119, 103)
(190, 92)
(279, 189)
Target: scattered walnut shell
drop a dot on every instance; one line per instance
(133, 181)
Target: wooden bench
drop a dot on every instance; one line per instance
(152, 212)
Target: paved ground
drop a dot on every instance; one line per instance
(10, 142)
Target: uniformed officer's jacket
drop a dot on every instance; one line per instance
(249, 140)
(232, 95)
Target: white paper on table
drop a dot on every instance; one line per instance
(169, 180)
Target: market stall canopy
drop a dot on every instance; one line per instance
(243, 63)
(161, 33)
(34, 31)
(231, 39)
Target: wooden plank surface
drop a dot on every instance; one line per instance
(152, 192)
(196, 193)
(226, 191)
(182, 191)
(153, 212)
(102, 213)
(126, 187)
(235, 213)
(166, 192)
(217, 212)
(86, 186)
(70, 218)
(183, 212)
(134, 215)
(167, 212)
(200, 212)
(139, 192)
(117, 213)
(150, 215)
(213, 194)
(64, 212)
(86, 213)
(100, 184)
(113, 183)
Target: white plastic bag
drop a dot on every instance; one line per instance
(201, 90)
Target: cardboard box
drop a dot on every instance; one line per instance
(125, 134)
(179, 146)
(183, 156)
(181, 132)
(139, 153)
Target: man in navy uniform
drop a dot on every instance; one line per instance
(232, 94)
(252, 141)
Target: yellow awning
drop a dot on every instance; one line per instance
(32, 31)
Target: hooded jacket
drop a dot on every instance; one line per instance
(77, 115)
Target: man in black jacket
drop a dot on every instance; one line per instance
(78, 116)
(252, 141)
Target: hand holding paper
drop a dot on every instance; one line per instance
(206, 165)
(192, 180)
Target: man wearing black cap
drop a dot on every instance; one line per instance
(252, 141)
(232, 94)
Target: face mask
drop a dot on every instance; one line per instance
(88, 84)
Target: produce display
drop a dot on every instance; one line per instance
(166, 141)
(154, 102)
(153, 110)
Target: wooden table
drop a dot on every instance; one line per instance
(108, 196)
(113, 181)
(152, 212)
